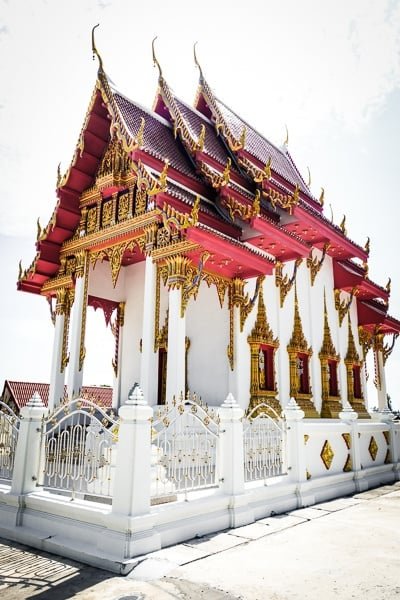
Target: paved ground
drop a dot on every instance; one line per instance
(347, 548)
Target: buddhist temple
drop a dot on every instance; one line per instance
(212, 260)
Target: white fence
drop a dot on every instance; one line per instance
(9, 426)
(168, 475)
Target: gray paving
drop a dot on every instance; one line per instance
(346, 548)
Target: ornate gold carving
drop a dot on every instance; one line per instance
(261, 335)
(386, 435)
(217, 179)
(115, 255)
(116, 168)
(348, 465)
(366, 340)
(285, 201)
(79, 264)
(193, 280)
(331, 406)
(246, 305)
(367, 245)
(107, 213)
(202, 137)
(61, 304)
(161, 273)
(347, 440)
(230, 351)
(69, 298)
(285, 283)
(327, 455)
(220, 284)
(343, 306)
(265, 173)
(243, 211)
(315, 264)
(123, 206)
(387, 349)
(178, 220)
(321, 199)
(298, 347)
(161, 184)
(116, 330)
(177, 271)
(82, 349)
(91, 221)
(373, 448)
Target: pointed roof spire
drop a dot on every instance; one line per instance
(328, 348)
(95, 52)
(155, 61)
(196, 62)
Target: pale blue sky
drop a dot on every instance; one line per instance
(330, 70)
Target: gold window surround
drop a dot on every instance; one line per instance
(354, 365)
(329, 358)
(263, 388)
(299, 350)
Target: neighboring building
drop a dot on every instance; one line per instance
(16, 394)
(211, 258)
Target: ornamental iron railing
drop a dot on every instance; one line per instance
(9, 427)
(78, 449)
(184, 447)
(264, 439)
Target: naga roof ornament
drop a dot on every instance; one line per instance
(95, 51)
(155, 61)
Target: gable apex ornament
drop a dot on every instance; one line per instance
(95, 52)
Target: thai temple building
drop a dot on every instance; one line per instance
(213, 262)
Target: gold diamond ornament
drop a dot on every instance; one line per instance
(327, 454)
(373, 448)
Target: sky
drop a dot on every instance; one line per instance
(328, 70)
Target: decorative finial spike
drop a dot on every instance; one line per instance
(309, 177)
(388, 285)
(322, 197)
(343, 225)
(95, 51)
(286, 142)
(196, 62)
(39, 229)
(20, 271)
(155, 61)
(367, 245)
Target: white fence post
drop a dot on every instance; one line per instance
(296, 453)
(386, 416)
(231, 462)
(349, 416)
(27, 455)
(130, 521)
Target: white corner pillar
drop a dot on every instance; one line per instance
(118, 330)
(58, 362)
(238, 349)
(176, 357)
(28, 452)
(380, 377)
(231, 462)
(149, 357)
(130, 525)
(77, 328)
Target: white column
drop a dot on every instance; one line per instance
(149, 358)
(57, 375)
(381, 383)
(176, 346)
(117, 364)
(77, 329)
(27, 456)
(236, 374)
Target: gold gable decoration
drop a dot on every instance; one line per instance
(116, 169)
(261, 336)
(298, 345)
(331, 405)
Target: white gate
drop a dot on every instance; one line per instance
(184, 447)
(78, 447)
(9, 427)
(264, 437)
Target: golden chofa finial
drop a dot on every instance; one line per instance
(202, 138)
(309, 177)
(388, 285)
(286, 142)
(367, 245)
(155, 61)
(322, 197)
(196, 62)
(343, 225)
(20, 270)
(95, 52)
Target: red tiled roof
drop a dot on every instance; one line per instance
(22, 392)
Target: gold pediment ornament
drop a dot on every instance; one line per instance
(298, 341)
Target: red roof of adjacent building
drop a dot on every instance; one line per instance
(22, 391)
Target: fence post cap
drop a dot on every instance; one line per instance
(293, 412)
(135, 396)
(136, 407)
(230, 409)
(385, 415)
(34, 407)
(347, 413)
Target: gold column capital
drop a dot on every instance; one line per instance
(177, 271)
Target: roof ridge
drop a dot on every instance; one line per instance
(148, 111)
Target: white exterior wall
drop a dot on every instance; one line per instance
(132, 329)
(207, 327)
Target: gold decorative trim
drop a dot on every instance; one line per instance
(115, 255)
(348, 465)
(174, 249)
(285, 201)
(285, 283)
(351, 360)
(56, 283)
(82, 349)
(373, 448)
(315, 264)
(306, 438)
(245, 212)
(230, 351)
(327, 455)
(386, 435)
(343, 306)
(64, 349)
(193, 280)
(347, 440)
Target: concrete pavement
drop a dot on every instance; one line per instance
(346, 548)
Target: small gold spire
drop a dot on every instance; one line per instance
(39, 229)
(309, 177)
(257, 204)
(367, 245)
(343, 225)
(243, 136)
(296, 194)
(95, 51)
(388, 285)
(267, 168)
(155, 61)
(196, 62)
(227, 172)
(20, 271)
(322, 197)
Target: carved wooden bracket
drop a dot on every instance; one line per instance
(285, 283)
